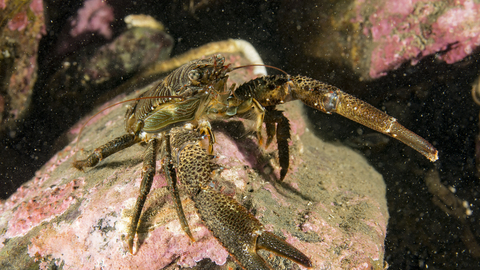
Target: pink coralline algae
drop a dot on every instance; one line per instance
(40, 208)
(408, 30)
(18, 22)
(94, 16)
(37, 6)
(34, 203)
(373, 37)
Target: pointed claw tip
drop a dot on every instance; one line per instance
(260, 142)
(130, 245)
(191, 238)
(432, 156)
(308, 264)
(283, 173)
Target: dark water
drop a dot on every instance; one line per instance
(431, 99)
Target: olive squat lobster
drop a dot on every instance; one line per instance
(175, 122)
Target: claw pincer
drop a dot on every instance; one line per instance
(231, 223)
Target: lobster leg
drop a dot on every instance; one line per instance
(171, 177)
(282, 132)
(148, 173)
(249, 109)
(206, 129)
(106, 150)
(274, 90)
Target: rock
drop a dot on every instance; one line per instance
(86, 78)
(21, 28)
(331, 205)
(92, 72)
(373, 37)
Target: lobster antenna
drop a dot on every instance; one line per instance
(261, 65)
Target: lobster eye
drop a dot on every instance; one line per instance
(194, 75)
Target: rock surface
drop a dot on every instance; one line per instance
(331, 205)
(372, 37)
(21, 28)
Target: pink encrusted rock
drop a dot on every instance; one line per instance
(331, 205)
(22, 28)
(406, 30)
(94, 16)
(377, 36)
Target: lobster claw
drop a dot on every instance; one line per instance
(241, 233)
(230, 223)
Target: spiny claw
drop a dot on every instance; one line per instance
(240, 232)
(231, 223)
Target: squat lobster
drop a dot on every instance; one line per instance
(176, 119)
